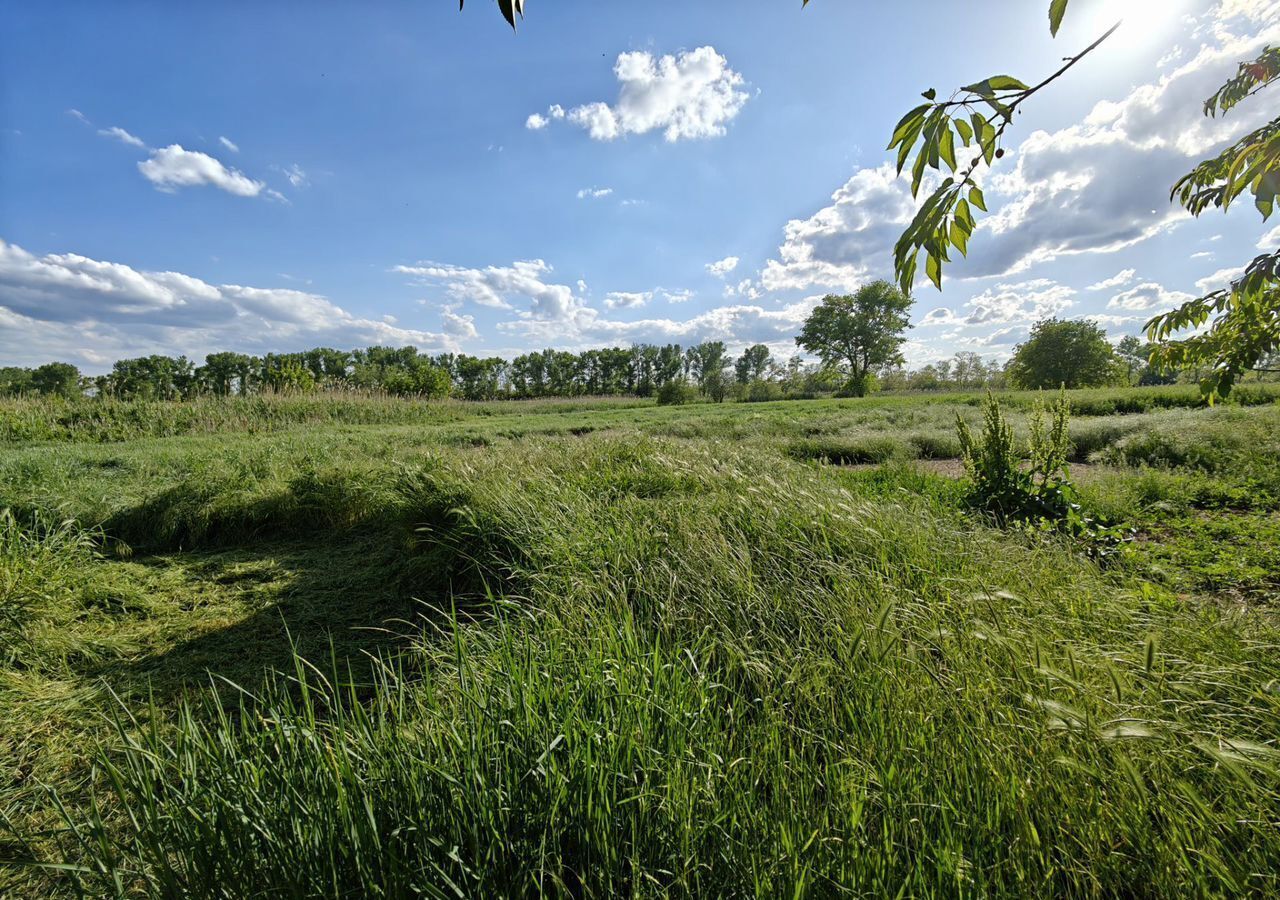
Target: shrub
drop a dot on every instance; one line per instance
(1039, 494)
(763, 392)
(859, 386)
(676, 393)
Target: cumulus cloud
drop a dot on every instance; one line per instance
(1118, 280)
(842, 244)
(173, 167)
(1098, 186)
(1219, 279)
(627, 299)
(92, 311)
(1271, 240)
(498, 286)
(121, 135)
(1101, 185)
(594, 193)
(689, 95)
(1019, 302)
(721, 268)
(229, 144)
(461, 327)
(737, 325)
(1148, 296)
(537, 121)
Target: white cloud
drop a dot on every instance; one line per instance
(173, 167)
(461, 327)
(92, 311)
(1102, 185)
(1270, 240)
(1098, 186)
(1118, 280)
(1110, 321)
(121, 135)
(498, 286)
(594, 193)
(229, 144)
(692, 94)
(723, 267)
(843, 244)
(537, 121)
(1148, 296)
(78, 116)
(296, 176)
(738, 326)
(1219, 279)
(627, 299)
(1025, 301)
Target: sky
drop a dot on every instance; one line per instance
(258, 177)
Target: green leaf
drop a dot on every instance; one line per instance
(976, 198)
(988, 86)
(1057, 9)
(929, 94)
(947, 149)
(910, 125)
(933, 268)
(965, 131)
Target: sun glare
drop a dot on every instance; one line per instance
(1142, 21)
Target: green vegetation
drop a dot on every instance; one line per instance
(859, 334)
(961, 135)
(1064, 353)
(333, 645)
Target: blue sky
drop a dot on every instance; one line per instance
(183, 178)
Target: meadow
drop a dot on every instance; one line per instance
(357, 646)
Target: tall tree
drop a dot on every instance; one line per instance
(57, 379)
(859, 332)
(1063, 352)
(752, 364)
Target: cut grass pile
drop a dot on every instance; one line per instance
(644, 659)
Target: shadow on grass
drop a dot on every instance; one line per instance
(338, 603)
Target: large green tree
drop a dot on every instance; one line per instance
(1064, 353)
(859, 333)
(56, 379)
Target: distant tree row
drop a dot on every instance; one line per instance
(857, 338)
(642, 370)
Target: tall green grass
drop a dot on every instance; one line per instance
(667, 668)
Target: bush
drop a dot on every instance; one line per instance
(763, 392)
(859, 386)
(1039, 494)
(676, 393)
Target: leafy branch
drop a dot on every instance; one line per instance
(976, 116)
(1252, 163)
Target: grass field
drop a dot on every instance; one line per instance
(374, 648)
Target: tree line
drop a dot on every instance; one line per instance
(857, 339)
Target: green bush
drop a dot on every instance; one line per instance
(676, 393)
(763, 392)
(1039, 494)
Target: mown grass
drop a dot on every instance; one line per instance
(645, 652)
